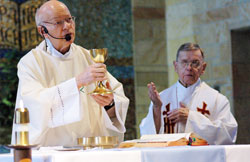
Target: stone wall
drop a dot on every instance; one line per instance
(149, 54)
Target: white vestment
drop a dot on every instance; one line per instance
(209, 113)
(59, 112)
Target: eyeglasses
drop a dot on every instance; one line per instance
(69, 20)
(194, 64)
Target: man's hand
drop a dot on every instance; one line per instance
(179, 115)
(157, 103)
(154, 95)
(104, 100)
(95, 72)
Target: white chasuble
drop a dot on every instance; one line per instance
(209, 113)
(59, 112)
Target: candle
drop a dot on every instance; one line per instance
(21, 105)
(22, 125)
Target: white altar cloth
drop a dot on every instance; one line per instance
(185, 154)
(228, 153)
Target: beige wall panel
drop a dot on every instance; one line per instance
(159, 78)
(148, 3)
(150, 52)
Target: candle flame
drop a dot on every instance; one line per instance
(21, 105)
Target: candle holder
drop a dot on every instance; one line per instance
(22, 148)
(22, 126)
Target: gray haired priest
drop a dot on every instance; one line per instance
(51, 77)
(190, 105)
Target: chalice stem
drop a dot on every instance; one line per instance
(101, 89)
(100, 84)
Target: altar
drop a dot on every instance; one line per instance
(227, 153)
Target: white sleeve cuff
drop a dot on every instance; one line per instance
(66, 105)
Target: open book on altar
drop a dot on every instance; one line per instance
(164, 140)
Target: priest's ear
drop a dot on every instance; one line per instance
(175, 66)
(39, 29)
(42, 31)
(203, 67)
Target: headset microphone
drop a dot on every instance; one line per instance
(67, 36)
(45, 29)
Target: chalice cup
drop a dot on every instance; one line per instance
(100, 56)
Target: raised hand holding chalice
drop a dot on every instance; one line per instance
(100, 56)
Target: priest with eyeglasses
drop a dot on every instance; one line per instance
(55, 79)
(190, 105)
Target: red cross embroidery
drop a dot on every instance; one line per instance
(168, 126)
(203, 109)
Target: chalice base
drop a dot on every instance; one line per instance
(101, 91)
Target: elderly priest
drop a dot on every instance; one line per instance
(51, 78)
(190, 105)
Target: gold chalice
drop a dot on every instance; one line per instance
(100, 56)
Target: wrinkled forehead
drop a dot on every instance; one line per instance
(190, 55)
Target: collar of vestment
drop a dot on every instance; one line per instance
(184, 94)
(53, 52)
